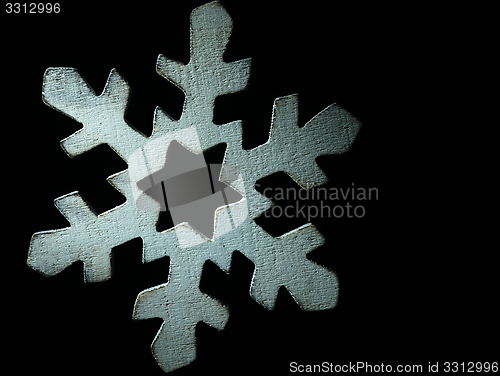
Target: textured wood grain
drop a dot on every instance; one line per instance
(279, 261)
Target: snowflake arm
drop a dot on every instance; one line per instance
(181, 305)
(206, 76)
(102, 116)
(91, 237)
(293, 149)
(332, 131)
(282, 261)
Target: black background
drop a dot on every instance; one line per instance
(408, 293)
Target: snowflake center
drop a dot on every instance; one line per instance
(189, 189)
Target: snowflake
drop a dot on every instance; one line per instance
(279, 261)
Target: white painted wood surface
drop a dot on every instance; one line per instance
(278, 261)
